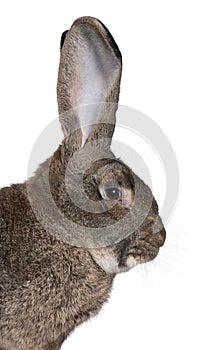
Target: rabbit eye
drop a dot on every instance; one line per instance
(113, 193)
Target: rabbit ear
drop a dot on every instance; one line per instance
(89, 78)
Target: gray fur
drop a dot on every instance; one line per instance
(48, 286)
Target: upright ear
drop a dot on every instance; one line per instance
(88, 79)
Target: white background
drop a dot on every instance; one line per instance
(161, 305)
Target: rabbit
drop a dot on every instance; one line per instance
(53, 275)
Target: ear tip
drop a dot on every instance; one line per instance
(86, 19)
(99, 26)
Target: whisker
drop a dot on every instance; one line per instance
(169, 259)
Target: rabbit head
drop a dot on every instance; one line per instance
(90, 186)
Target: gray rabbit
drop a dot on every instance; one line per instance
(57, 266)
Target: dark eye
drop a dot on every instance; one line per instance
(113, 193)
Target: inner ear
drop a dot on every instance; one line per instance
(94, 77)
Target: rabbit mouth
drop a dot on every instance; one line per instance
(139, 248)
(143, 251)
(111, 263)
(116, 262)
(137, 256)
(132, 259)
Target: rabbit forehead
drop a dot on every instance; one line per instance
(115, 172)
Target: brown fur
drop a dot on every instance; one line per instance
(48, 286)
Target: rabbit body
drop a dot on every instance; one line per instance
(47, 287)
(48, 283)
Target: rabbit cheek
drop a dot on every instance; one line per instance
(107, 261)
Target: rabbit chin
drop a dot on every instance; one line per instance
(110, 263)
